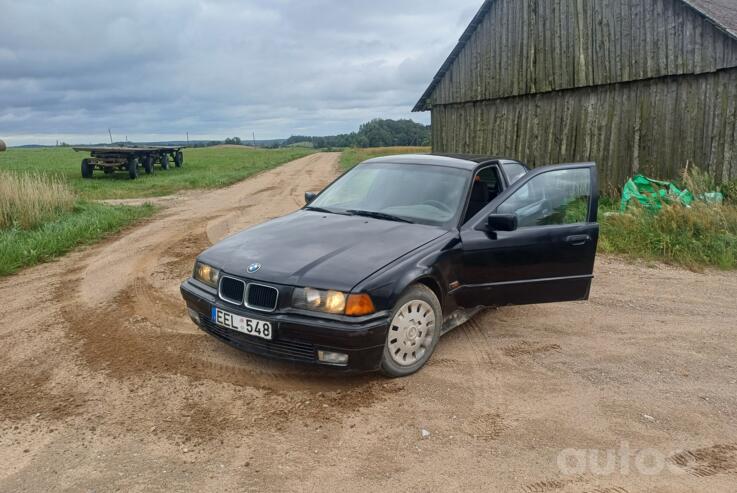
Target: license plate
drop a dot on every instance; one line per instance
(246, 325)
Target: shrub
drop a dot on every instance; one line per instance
(30, 199)
(697, 181)
(729, 190)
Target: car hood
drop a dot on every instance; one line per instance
(319, 250)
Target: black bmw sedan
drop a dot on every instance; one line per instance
(395, 253)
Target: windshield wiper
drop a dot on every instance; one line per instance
(321, 209)
(378, 215)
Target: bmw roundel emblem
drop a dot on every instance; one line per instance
(253, 267)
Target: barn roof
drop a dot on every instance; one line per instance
(722, 13)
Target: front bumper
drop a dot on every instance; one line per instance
(295, 337)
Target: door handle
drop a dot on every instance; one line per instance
(578, 240)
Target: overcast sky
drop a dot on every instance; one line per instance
(153, 70)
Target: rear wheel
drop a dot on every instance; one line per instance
(148, 164)
(413, 333)
(178, 159)
(133, 168)
(164, 161)
(87, 168)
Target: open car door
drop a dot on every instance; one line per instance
(535, 242)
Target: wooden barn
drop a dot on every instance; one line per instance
(636, 85)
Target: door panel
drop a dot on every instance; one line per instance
(550, 257)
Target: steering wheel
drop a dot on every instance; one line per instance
(438, 205)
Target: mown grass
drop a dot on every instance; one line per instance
(29, 199)
(352, 156)
(86, 223)
(208, 167)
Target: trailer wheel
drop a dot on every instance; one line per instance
(164, 161)
(148, 164)
(178, 159)
(87, 168)
(133, 168)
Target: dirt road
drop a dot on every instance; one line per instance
(105, 385)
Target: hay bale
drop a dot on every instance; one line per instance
(2, 146)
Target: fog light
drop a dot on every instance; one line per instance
(332, 358)
(194, 315)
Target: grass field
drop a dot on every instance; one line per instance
(86, 223)
(353, 156)
(207, 167)
(48, 208)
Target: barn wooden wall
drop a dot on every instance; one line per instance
(652, 126)
(530, 46)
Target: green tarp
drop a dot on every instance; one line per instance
(652, 194)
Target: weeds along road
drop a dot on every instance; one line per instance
(106, 385)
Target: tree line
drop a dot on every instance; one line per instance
(376, 133)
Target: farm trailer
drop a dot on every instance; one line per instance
(111, 159)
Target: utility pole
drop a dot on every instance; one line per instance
(254, 139)
(187, 138)
(111, 136)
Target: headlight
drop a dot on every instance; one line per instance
(206, 274)
(330, 301)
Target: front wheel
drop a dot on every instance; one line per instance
(413, 333)
(178, 159)
(164, 161)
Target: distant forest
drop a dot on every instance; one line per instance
(376, 133)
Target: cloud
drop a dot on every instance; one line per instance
(215, 68)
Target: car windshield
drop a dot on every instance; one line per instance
(417, 193)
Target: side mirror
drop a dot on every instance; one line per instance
(309, 197)
(501, 222)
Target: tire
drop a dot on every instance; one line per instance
(133, 168)
(87, 168)
(178, 159)
(164, 161)
(406, 349)
(148, 164)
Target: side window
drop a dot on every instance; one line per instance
(555, 197)
(514, 171)
(486, 186)
(490, 178)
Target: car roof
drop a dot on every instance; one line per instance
(463, 161)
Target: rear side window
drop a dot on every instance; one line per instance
(514, 171)
(556, 197)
